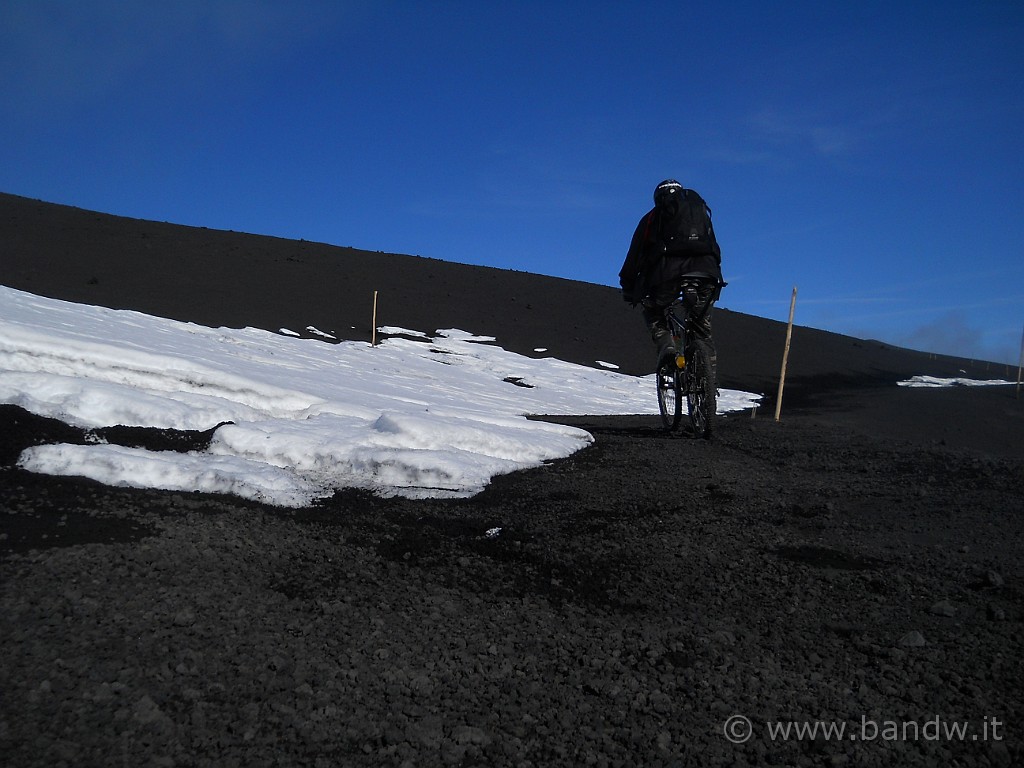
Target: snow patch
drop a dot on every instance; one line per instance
(934, 381)
(306, 417)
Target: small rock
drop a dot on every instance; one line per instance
(468, 734)
(452, 754)
(995, 613)
(103, 693)
(913, 639)
(146, 711)
(1000, 753)
(843, 628)
(724, 636)
(943, 608)
(661, 702)
(66, 750)
(994, 579)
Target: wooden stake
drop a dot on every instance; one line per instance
(373, 333)
(1020, 365)
(785, 355)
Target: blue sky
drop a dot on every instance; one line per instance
(868, 153)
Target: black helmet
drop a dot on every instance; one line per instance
(664, 191)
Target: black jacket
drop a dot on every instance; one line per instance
(648, 263)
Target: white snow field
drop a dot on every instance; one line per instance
(417, 417)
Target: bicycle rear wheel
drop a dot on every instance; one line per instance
(701, 388)
(670, 394)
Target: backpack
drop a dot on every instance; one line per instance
(689, 233)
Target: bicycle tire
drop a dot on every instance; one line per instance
(670, 395)
(701, 389)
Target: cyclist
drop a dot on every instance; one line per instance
(674, 238)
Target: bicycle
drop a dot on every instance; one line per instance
(691, 372)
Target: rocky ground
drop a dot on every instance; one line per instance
(652, 600)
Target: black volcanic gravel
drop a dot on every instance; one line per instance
(614, 608)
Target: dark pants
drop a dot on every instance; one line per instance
(698, 304)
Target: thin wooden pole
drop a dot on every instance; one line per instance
(1020, 364)
(373, 333)
(785, 355)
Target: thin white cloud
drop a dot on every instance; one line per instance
(955, 333)
(824, 137)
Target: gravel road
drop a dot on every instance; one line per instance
(652, 600)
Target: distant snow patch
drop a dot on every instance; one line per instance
(394, 330)
(934, 381)
(458, 335)
(318, 332)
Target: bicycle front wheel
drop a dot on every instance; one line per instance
(701, 388)
(670, 395)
